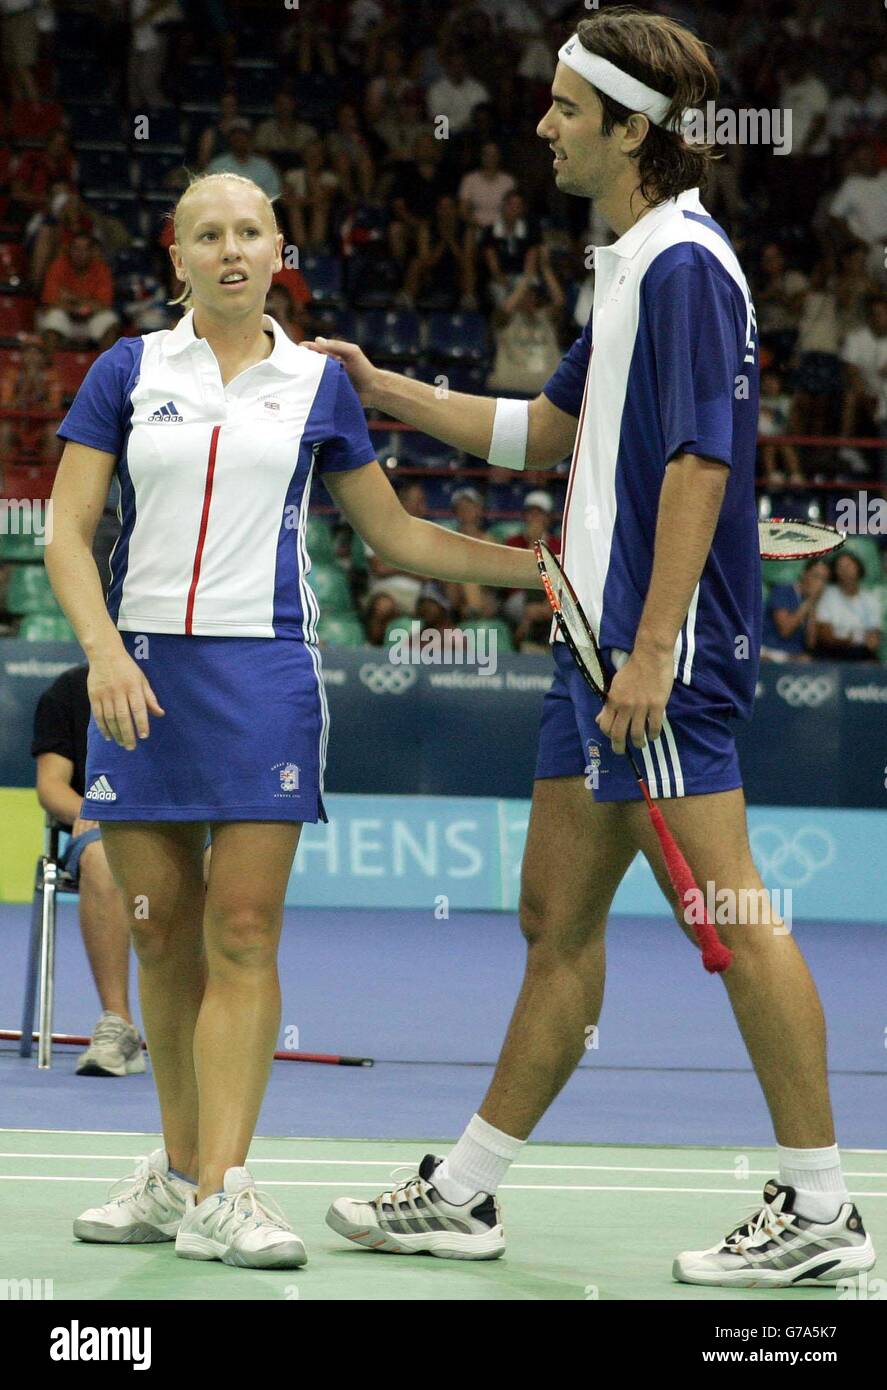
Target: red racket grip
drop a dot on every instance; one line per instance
(715, 955)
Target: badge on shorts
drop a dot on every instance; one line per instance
(289, 776)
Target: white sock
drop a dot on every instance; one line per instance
(478, 1163)
(816, 1176)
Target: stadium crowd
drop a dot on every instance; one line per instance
(397, 140)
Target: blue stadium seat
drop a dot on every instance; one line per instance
(204, 79)
(98, 125)
(393, 334)
(104, 171)
(164, 127)
(125, 206)
(77, 77)
(417, 449)
(374, 279)
(457, 337)
(152, 165)
(133, 260)
(325, 280)
(438, 493)
(255, 80)
(335, 323)
(472, 379)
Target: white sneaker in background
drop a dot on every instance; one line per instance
(115, 1049)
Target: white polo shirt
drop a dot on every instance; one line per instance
(215, 480)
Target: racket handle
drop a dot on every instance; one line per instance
(715, 955)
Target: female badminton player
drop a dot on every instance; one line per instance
(660, 542)
(208, 709)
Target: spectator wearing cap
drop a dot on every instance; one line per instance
(526, 329)
(848, 619)
(78, 293)
(32, 384)
(241, 159)
(529, 610)
(468, 509)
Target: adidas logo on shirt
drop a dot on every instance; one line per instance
(101, 790)
(167, 415)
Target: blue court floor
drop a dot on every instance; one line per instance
(430, 1001)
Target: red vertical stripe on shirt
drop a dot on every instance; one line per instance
(198, 554)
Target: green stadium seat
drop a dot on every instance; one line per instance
(502, 530)
(342, 630)
(358, 554)
(398, 627)
(20, 548)
(30, 591)
(46, 627)
(782, 571)
(330, 588)
(502, 631)
(319, 539)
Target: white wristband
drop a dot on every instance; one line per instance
(511, 426)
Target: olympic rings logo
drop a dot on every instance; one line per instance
(807, 691)
(791, 861)
(387, 679)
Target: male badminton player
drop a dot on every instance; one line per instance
(208, 709)
(658, 401)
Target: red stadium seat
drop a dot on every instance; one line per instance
(72, 366)
(35, 120)
(16, 314)
(28, 480)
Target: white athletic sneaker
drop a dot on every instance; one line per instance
(148, 1206)
(776, 1248)
(414, 1219)
(115, 1049)
(240, 1227)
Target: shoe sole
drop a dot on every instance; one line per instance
(444, 1245)
(97, 1234)
(134, 1066)
(855, 1260)
(194, 1247)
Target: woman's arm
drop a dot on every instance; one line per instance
(373, 508)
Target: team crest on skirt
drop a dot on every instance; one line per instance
(289, 776)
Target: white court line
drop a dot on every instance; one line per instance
(504, 1187)
(333, 1139)
(391, 1162)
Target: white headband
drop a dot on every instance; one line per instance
(615, 83)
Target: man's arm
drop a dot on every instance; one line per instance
(54, 790)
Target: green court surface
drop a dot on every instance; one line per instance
(590, 1223)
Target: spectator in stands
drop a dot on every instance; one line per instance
(59, 745)
(213, 139)
(854, 286)
(34, 171)
(288, 302)
(510, 247)
(848, 619)
(789, 628)
(527, 609)
(402, 587)
(34, 384)
(859, 208)
(468, 509)
(20, 47)
(864, 407)
(51, 231)
(148, 51)
(456, 94)
(350, 154)
(380, 609)
(309, 199)
(397, 130)
(817, 380)
(241, 159)
(778, 297)
(393, 83)
(444, 265)
(483, 191)
(527, 345)
(414, 192)
(858, 113)
(78, 293)
(773, 419)
(434, 608)
(795, 188)
(283, 136)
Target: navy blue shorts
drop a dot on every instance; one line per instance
(694, 755)
(244, 735)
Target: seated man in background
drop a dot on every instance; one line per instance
(789, 629)
(59, 745)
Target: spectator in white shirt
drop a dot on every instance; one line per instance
(19, 47)
(283, 135)
(807, 97)
(455, 95)
(859, 112)
(482, 192)
(848, 619)
(865, 357)
(859, 208)
(147, 52)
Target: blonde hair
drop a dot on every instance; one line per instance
(175, 217)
